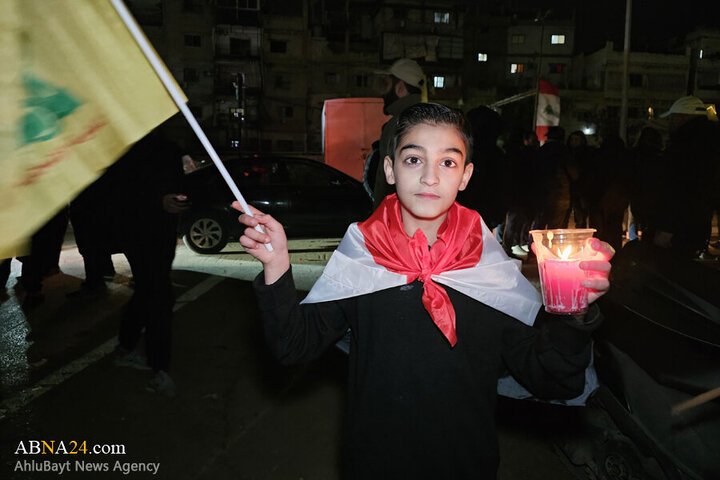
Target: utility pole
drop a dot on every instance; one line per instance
(541, 19)
(239, 116)
(626, 75)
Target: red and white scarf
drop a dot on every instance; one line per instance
(377, 254)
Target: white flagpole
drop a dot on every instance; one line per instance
(170, 86)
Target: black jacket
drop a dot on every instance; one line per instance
(418, 408)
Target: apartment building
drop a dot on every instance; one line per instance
(257, 72)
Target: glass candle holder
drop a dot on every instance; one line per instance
(559, 253)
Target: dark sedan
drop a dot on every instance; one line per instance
(309, 198)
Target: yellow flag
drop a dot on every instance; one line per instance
(75, 92)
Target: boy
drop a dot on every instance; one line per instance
(425, 358)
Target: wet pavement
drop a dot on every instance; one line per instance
(237, 414)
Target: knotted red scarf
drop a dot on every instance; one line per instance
(459, 245)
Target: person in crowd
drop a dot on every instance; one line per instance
(401, 88)
(90, 217)
(552, 194)
(488, 192)
(41, 261)
(521, 150)
(608, 188)
(648, 176)
(146, 184)
(581, 155)
(428, 343)
(692, 157)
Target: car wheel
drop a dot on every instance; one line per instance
(206, 234)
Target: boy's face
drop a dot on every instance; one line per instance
(428, 171)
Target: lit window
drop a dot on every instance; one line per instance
(517, 39)
(442, 17)
(701, 53)
(517, 67)
(556, 68)
(557, 39)
(439, 82)
(482, 57)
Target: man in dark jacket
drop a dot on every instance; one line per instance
(145, 199)
(692, 157)
(401, 89)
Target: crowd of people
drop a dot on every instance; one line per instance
(663, 189)
(131, 209)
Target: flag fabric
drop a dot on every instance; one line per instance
(548, 109)
(495, 280)
(76, 91)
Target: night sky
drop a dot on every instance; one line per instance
(653, 20)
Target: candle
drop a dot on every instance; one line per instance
(561, 288)
(559, 253)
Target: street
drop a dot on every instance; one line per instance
(238, 414)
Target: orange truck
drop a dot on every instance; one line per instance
(350, 126)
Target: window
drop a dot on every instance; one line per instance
(636, 80)
(282, 82)
(361, 80)
(439, 82)
(332, 78)
(278, 46)
(442, 17)
(286, 112)
(239, 47)
(701, 53)
(192, 6)
(192, 40)
(517, 67)
(556, 67)
(517, 39)
(190, 75)
(557, 39)
(482, 57)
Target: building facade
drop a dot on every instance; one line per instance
(257, 72)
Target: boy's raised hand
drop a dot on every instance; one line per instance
(598, 269)
(275, 262)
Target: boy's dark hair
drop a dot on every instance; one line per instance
(433, 114)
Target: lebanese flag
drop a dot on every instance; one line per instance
(548, 110)
(358, 267)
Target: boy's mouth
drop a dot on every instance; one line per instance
(428, 195)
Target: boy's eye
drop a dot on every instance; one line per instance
(448, 163)
(412, 160)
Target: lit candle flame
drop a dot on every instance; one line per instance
(565, 254)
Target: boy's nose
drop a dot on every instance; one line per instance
(429, 175)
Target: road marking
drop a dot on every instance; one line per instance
(25, 396)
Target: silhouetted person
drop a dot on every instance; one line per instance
(692, 155)
(609, 189)
(581, 155)
(91, 218)
(145, 184)
(552, 192)
(401, 89)
(521, 149)
(649, 177)
(488, 191)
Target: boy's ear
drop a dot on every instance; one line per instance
(466, 176)
(401, 89)
(388, 167)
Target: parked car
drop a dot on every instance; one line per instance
(309, 198)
